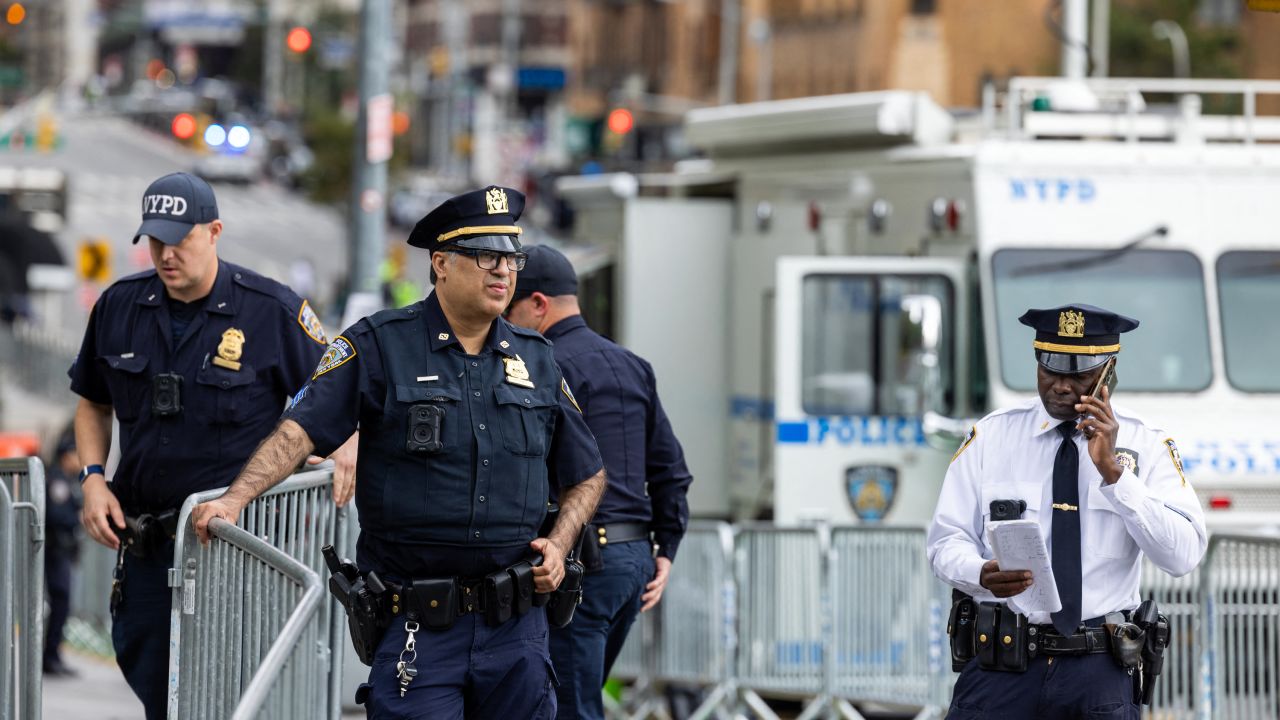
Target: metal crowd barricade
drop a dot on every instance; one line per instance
(783, 631)
(248, 628)
(889, 617)
(1178, 690)
(1241, 592)
(22, 507)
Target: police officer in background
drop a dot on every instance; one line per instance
(1105, 488)
(644, 509)
(466, 422)
(196, 359)
(61, 547)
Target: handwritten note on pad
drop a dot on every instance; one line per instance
(1017, 545)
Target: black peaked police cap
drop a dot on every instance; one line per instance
(478, 220)
(1076, 338)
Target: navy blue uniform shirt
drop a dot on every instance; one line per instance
(225, 412)
(479, 496)
(648, 478)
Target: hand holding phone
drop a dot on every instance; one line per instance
(1108, 378)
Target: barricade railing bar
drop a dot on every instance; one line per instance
(22, 509)
(247, 598)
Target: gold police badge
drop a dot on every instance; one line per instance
(230, 349)
(517, 373)
(1128, 459)
(1070, 324)
(495, 201)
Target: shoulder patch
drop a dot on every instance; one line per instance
(564, 388)
(1128, 459)
(311, 324)
(1176, 457)
(973, 433)
(339, 351)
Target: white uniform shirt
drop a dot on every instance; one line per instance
(1009, 455)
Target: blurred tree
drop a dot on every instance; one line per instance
(331, 137)
(1215, 51)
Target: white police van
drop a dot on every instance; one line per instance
(831, 296)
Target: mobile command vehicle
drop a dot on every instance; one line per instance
(830, 297)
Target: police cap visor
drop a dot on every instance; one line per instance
(496, 243)
(1069, 363)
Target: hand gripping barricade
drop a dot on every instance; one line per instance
(22, 506)
(251, 627)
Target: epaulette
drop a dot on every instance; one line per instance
(382, 317)
(251, 280)
(526, 332)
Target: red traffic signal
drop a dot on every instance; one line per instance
(620, 121)
(298, 40)
(183, 126)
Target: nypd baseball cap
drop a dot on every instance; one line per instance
(546, 271)
(173, 205)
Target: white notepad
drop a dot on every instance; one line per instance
(1017, 545)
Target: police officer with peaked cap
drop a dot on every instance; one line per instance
(637, 528)
(196, 358)
(1105, 488)
(466, 423)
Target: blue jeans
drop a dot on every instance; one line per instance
(140, 630)
(469, 671)
(584, 651)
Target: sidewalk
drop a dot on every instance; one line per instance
(98, 692)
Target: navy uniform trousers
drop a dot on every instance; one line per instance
(587, 647)
(1061, 687)
(459, 670)
(140, 629)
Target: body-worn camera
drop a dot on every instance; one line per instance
(1007, 509)
(166, 394)
(425, 422)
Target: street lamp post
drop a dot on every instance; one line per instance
(1172, 31)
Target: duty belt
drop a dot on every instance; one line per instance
(1088, 641)
(620, 532)
(439, 602)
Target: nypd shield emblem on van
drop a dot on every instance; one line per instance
(871, 490)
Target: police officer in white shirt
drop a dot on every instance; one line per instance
(1105, 488)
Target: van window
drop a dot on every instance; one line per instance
(1162, 289)
(862, 343)
(1249, 296)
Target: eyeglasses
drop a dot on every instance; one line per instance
(488, 259)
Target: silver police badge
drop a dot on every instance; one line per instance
(871, 490)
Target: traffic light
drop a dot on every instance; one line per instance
(620, 121)
(298, 40)
(184, 126)
(15, 14)
(95, 260)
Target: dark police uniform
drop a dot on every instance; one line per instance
(644, 502)
(464, 504)
(227, 408)
(1097, 535)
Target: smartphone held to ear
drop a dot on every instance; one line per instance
(1106, 377)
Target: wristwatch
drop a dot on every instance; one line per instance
(92, 470)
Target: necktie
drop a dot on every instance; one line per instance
(1066, 530)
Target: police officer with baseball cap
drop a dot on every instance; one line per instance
(634, 535)
(466, 424)
(196, 359)
(1105, 488)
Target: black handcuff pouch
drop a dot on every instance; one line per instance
(435, 601)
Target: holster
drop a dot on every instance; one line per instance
(960, 628)
(361, 597)
(1001, 636)
(589, 552)
(564, 600)
(1157, 633)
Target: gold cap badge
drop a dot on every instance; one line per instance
(1070, 324)
(230, 349)
(496, 200)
